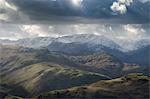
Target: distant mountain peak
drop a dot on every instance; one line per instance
(91, 39)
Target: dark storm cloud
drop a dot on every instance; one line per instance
(89, 11)
(46, 7)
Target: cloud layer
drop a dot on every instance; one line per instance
(71, 11)
(120, 6)
(55, 18)
(112, 31)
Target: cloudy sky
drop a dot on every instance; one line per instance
(74, 11)
(113, 31)
(121, 19)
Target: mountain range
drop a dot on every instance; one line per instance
(90, 39)
(81, 44)
(74, 66)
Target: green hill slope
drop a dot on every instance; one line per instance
(38, 78)
(103, 63)
(133, 86)
(28, 72)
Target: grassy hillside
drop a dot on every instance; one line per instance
(103, 63)
(13, 58)
(28, 72)
(38, 78)
(133, 86)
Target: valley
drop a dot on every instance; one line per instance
(28, 72)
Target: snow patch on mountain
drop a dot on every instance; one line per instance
(93, 41)
(89, 39)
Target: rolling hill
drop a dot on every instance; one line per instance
(39, 78)
(29, 72)
(130, 86)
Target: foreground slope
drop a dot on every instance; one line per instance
(133, 86)
(39, 78)
(27, 72)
